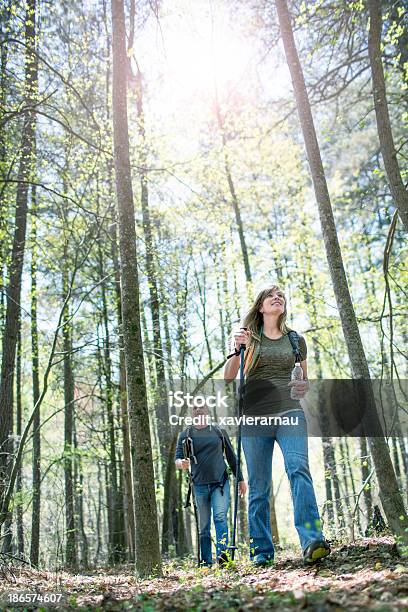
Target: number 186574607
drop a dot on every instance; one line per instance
(25, 597)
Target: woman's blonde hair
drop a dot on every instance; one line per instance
(253, 320)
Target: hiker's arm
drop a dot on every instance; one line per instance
(241, 336)
(231, 368)
(181, 463)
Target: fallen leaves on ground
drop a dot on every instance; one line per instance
(366, 576)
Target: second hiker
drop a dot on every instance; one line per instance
(207, 446)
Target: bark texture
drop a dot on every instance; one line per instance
(388, 152)
(147, 536)
(388, 487)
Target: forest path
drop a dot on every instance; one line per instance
(367, 576)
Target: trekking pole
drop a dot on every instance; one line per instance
(196, 522)
(191, 493)
(233, 547)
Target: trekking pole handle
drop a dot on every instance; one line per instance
(243, 346)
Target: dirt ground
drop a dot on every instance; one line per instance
(369, 575)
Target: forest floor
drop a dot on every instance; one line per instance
(368, 575)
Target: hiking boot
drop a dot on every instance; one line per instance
(263, 561)
(315, 551)
(223, 559)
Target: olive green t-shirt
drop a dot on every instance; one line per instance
(266, 389)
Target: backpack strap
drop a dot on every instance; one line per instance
(188, 446)
(220, 434)
(294, 340)
(188, 452)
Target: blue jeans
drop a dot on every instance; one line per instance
(258, 450)
(210, 497)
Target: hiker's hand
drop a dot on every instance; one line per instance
(301, 386)
(184, 464)
(242, 488)
(241, 336)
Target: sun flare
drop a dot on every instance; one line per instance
(206, 54)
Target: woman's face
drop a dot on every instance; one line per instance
(274, 303)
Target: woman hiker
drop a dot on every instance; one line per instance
(269, 361)
(207, 446)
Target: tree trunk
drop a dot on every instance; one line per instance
(36, 466)
(329, 458)
(69, 392)
(170, 502)
(79, 503)
(182, 545)
(388, 487)
(20, 527)
(273, 517)
(127, 459)
(128, 505)
(117, 544)
(17, 255)
(389, 154)
(326, 442)
(99, 517)
(5, 16)
(129, 508)
(147, 536)
(234, 198)
(168, 341)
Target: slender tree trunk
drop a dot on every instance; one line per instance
(19, 410)
(332, 484)
(273, 517)
(234, 198)
(128, 505)
(388, 487)
(69, 392)
(352, 480)
(365, 472)
(17, 255)
(182, 546)
(147, 536)
(389, 154)
(168, 341)
(99, 518)
(79, 503)
(5, 16)
(328, 481)
(127, 459)
(117, 544)
(349, 491)
(329, 458)
(201, 286)
(36, 467)
(243, 519)
(170, 502)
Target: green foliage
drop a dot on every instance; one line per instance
(190, 138)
